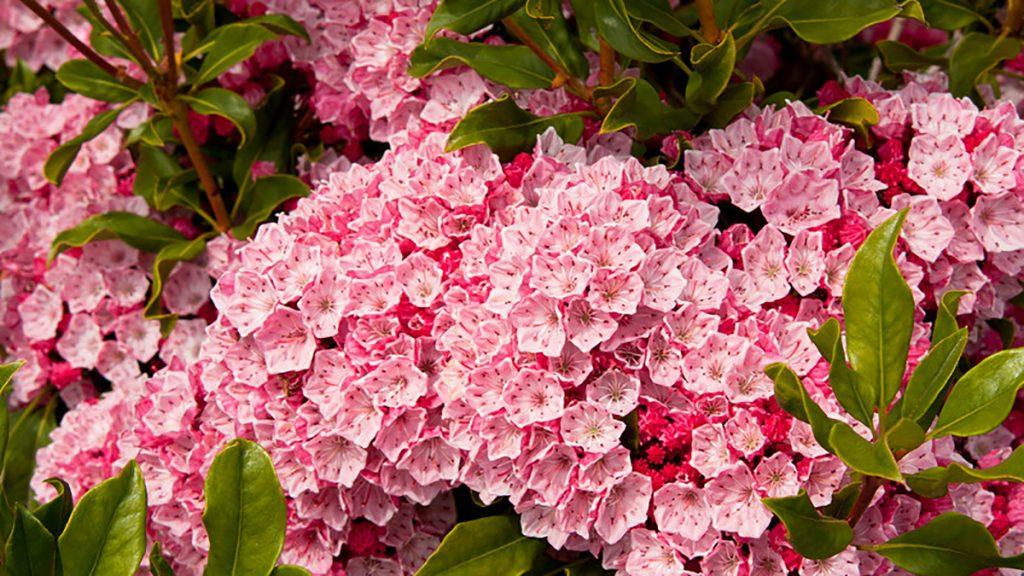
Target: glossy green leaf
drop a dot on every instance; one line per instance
(857, 113)
(88, 79)
(826, 21)
(163, 182)
(794, 399)
(229, 46)
(843, 501)
(614, 25)
(586, 23)
(730, 104)
(200, 13)
(983, 397)
(974, 56)
(950, 545)
(949, 14)
(853, 395)
(262, 200)
(118, 505)
(289, 570)
(945, 319)
(934, 482)
(245, 512)
(29, 431)
(272, 143)
(508, 129)
(712, 68)
(811, 534)
(144, 16)
(227, 105)
(136, 231)
(493, 545)
(543, 9)
(905, 435)
(61, 159)
(164, 262)
(468, 16)
(879, 312)
(513, 66)
(640, 107)
(55, 513)
(157, 563)
(661, 15)
(554, 38)
(280, 24)
(898, 57)
(931, 375)
(6, 374)
(861, 455)
(31, 549)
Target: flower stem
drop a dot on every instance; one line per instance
(561, 74)
(167, 23)
(606, 75)
(179, 116)
(130, 39)
(1014, 17)
(708, 27)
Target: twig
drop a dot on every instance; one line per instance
(130, 38)
(82, 47)
(708, 27)
(561, 74)
(867, 494)
(1014, 17)
(179, 116)
(167, 23)
(894, 34)
(606, 74)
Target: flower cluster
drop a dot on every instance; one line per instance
(79, 320)
(24, 36)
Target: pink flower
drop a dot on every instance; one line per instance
(624, 506)
(538, 323)
(736, 503)
(591, 427)
(939, 165)
(534, 396)
(682, 509)
(286, 342)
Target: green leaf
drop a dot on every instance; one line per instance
(586, 23)
(934, 482)
(640, 107)
(157, 563)
(55, 513)
(274, 126)
(508, 129)
(61, 159)
(879, 312)
(974, 56)
(163, 182)
(861, 455)
(164, 262)
(950, 545)
(88, 79)
(905, 435)
(266, 195)
(29, 431)
(281, 24)
(6, 374)
(245, 512)
(811, 534)
(712, 68)
(898, 57)
(945, 320)
(543, 9)
(228, 46)
(983, 397)
(794, 399)
(661, 15)
(554, 38)
(493, 545)
(843, 501)
(931, 375)
(950, 14)
(289, 570)
(731, 103)
(201, 13)
(853, 395)
(31, 549)
(827, 21)
(468, 16)
(136, 231)
(857, 113)
(615, 26)
(144, 16)
(513, 66)
(227, 105)
(106, 535)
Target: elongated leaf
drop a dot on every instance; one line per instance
(950, 545)
(88, 79)
(266, 195)
(136, 231)
(640, 107)
(854, 396)
(949, 14)
(61, 159)
(905, 435)
(974, 56)
(827, 21)
(55, 513)
(586, 23)
(931, 375)
(157, 563)
(144, 16)
(279, 24)
(555, 39)
(811, 534)
(508, 129)
(513, 66)
(227, 105)
(493, 545)
(166, 259)
(106, 535)
(615, 26)
(879, 312)
(29, 431)
(983, 397)
(712, 68)
(661, 15)
(861, 455)
(794, 399)
(857, 113)
(468, 16)
(945, 319)
(731, 103)
(898, 57)
(843, 501)
(274, 125)
(934, 482)
(6, 374)
(229, 46)
(31, 549)
(245, 512)
(543, 9)
(288, 570)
